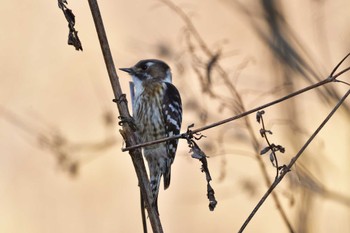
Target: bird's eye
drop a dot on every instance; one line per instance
(144, 67)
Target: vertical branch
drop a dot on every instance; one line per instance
(127, 131)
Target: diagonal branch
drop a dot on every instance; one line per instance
(127, 131)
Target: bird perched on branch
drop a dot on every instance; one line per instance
(157, 111)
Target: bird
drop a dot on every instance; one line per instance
(157, 113)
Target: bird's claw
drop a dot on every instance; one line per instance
(128, 120)
(120, 99)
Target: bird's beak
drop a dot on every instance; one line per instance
(128, 70)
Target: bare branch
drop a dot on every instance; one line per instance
(126, 132)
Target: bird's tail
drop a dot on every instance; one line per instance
(154, 183)
(166, 177)
(156, 172)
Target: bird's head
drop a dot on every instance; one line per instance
(149, 70)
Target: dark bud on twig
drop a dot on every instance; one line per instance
(68, 13)
(259, 115)
(73, 38)
(283, 168)
(197, 153)
(61, 3)
(263, 132)
(272, 159)
(276, 148)
(280, 148)
(211, 197)
(265, 150)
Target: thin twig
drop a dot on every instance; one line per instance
(236, 117)
(287, 168)
(270, 147)
(127, 132)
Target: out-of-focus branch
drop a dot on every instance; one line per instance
(127, 131)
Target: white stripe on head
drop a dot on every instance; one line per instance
(168, 76)
(150, 63)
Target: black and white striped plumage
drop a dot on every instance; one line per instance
(157, 111)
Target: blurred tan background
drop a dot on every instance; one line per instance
(61, 165)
